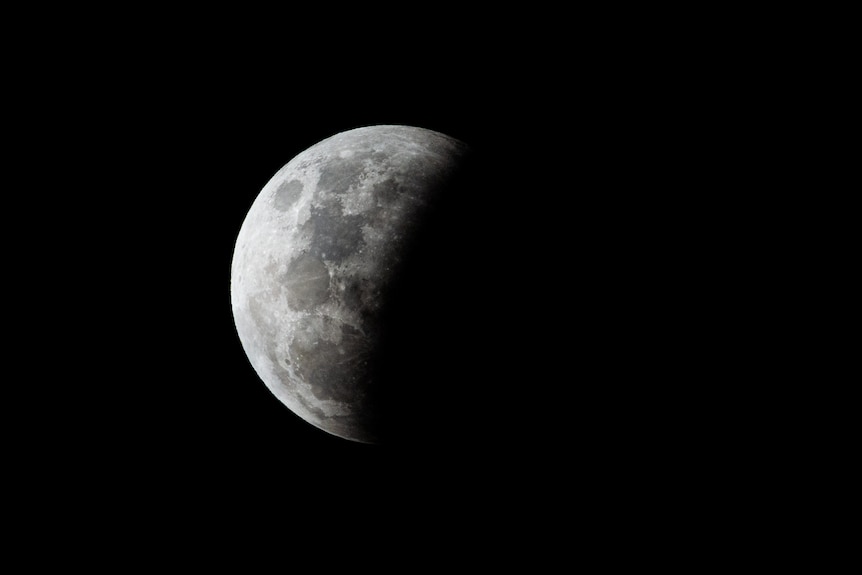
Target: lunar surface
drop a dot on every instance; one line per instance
(315, 258)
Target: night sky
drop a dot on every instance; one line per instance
(557, 358)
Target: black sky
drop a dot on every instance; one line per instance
(570, 329)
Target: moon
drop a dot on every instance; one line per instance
(316, 259)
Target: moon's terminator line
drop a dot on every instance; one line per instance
(314, 257)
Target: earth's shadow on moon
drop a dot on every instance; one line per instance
(429, 379)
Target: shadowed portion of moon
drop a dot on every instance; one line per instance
(344, 268)
(429, 362)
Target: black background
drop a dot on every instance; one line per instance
(558, 334)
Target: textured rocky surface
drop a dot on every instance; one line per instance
(319, 249)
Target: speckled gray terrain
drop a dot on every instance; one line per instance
(314, 258)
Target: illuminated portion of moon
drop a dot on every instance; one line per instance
(313, 259)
